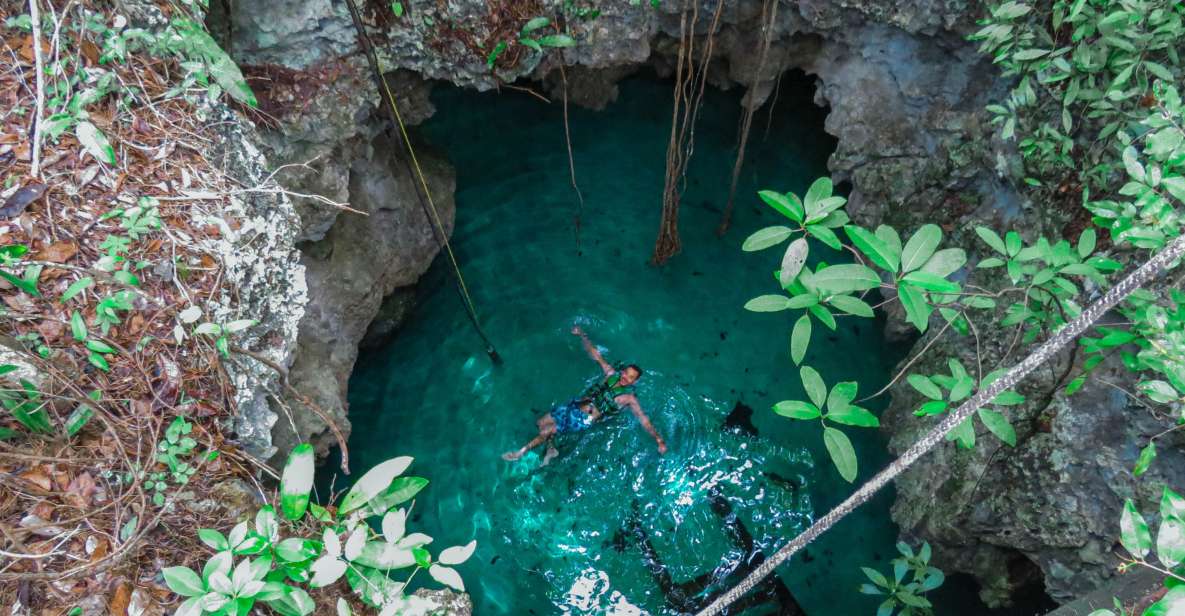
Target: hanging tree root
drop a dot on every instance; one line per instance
(571, 162)
(750, 109)
(689, 93)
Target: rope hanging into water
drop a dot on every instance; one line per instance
(935, 436)
(422, 191)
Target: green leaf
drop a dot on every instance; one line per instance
(494, 53)
(373, 482)
(397, 8)
(536, 23)
(78, 326)
(765, 238)
(225, 71)
(22, 283)
(530, 42)
(214, 539)
(999, 425)
(852, 305)
(1012, 243)
(183, 581)
(99, 346)
(846, 278)
(1133, 531)
(925, 386)
(800, 338)
(917, 309)
(854, 416)
(930, 282)
(813, 384)
(77, 287)
(1147, 455)
(796, 409)
(77, 420)
(825, 235)
(824, 316)
(1170, 542)
(820, 189)
(297, 481)
(1086, 242)
(792, 261)
(841, 452)
(787, 205)
(806, 300)
(841, 396)
(557, 40)
(873, 247)
(400, 491)
(94, 142)
(768, 303)
(98, 361)
(945, 262)
(889, 236)
(964, 433)
(920, 247)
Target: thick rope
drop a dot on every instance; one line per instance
(935, 436)
(438, 232)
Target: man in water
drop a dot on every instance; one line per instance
(614, 392)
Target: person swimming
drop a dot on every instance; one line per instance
(615, 391)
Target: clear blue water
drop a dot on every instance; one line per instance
(550, 538)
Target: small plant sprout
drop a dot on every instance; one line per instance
(908, 597)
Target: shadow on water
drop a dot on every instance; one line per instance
(599, 529)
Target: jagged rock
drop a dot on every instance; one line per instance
(446, 602)
(359, 261)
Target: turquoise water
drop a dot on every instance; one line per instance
(561, 538)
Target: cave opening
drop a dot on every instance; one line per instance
(566, 535)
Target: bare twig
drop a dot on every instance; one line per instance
(39, 66)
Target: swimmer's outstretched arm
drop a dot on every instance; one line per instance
(631, 401)
(592, 351)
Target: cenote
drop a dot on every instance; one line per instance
(583, 534)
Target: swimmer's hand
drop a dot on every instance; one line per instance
(511, 456)
(662, 446)
(576, 331)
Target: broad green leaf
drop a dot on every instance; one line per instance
(296, 482)
(805, 300)
(1170, 542)
(796, 409)
(78, 419)
(852, 305)
(1086, 242)
(873, 247)
(800, 339)
(768, 303)
(1133, 531)
(999, 425)
(841, 452)
(816, 390)
(183, 581)
(930, 282)
(825, 317)
(917, 309)
(820, 189)
(385, 556)
(457, 555)
(841, 396)
(447, 576)
(846, 278)
(854, 416)
(536, 23)
(920, 247)
(892, 241)
(765, 238)
(1171, 505)
(925, 386)
(375, 481)
(77, 287)
(78, 326)
(787, 205)
(825, 235)
(401, 490)
(945, 262)
(225, 71)
(793, 260)
(95, 142)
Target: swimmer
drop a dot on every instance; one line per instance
(614, 392)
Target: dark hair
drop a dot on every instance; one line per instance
(635, 369)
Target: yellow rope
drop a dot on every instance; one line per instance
(430, 211)
(427, 193)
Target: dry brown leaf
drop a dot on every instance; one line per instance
(39, 478)
(58, 252)
(121, 597)
(80, 491)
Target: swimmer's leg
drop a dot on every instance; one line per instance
(547, 429)
(552, 452)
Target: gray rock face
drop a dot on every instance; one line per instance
(361, 260)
